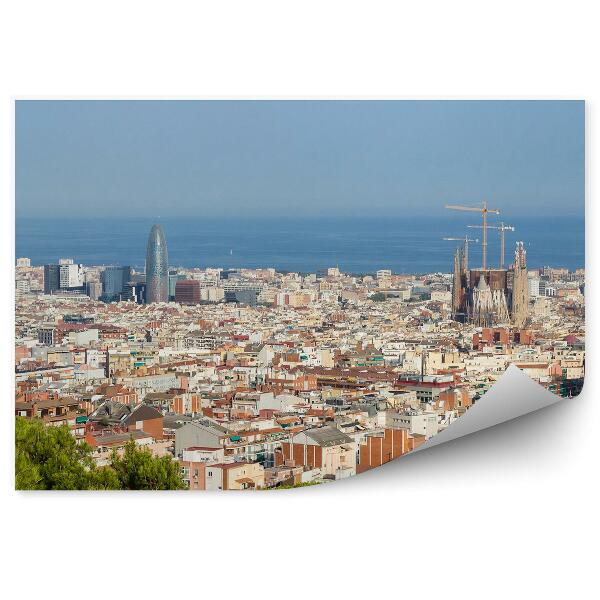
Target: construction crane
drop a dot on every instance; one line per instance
(502, 228)
(484, 210)
(466, 240)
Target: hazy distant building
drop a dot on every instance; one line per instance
(228, 274)
(113, 282)
(93, 289)
(134, 291)
(212, 294)
(174, 277)
(22, 286)
(534, 287)
(187, 291)
(248, 296)
(71, 275)
(63, 277)
(157, 266)
(51, 278)
(23, 262)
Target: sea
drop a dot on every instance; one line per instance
(307, 245)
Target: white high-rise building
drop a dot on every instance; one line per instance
(71, 275)
(534, 287)
(23, 262)
(22, 286)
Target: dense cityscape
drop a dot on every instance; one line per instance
(258, 379)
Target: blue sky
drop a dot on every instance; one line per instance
(297, 158)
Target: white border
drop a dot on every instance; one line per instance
(509, 512)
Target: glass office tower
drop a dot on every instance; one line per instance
(157, 266)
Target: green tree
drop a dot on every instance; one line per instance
(289, 486)
(137, 469)
(50, 458)
(378, 297)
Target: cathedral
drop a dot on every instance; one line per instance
(488, 297)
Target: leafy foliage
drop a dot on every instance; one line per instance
(289, 486)
(50, 458)
(378, 297)
(137, 469)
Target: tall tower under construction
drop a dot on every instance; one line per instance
(520, 288)
(459, 286)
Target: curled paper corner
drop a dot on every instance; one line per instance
(513, 395)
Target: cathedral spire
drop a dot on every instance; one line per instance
(520, 291)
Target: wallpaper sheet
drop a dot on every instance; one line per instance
(265, 295)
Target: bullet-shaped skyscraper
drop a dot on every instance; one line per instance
(157, 266)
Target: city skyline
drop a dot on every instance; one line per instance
(409, 245)
(265, 350)
(291, 158)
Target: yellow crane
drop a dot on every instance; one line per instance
(466, 240)
(484, 210)
(501, 228)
